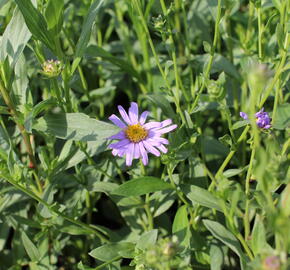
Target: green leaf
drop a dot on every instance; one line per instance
(240, 124)
(282, 117)
(180, 226)
(84, 267)
(111, 251)
(161, 102)
(54, 14)
(30, 248)
(105, 187)
(4, 233)
(147, 240)
(96, 51)
(74, 230)
(201, 196)
(181, 219)
(141, 186)
(75, 126)
(35, 22)
(14, 39)
(225, 236)
(280, 35)
(216, 257)
(86, 32)
(258, 239)
(232, 172)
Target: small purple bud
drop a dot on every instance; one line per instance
(244, 115)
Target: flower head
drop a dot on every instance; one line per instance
(51, 68)
(137, 138)
(263, 120)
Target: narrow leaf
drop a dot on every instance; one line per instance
(35, 22)
(201, 196)
(225, 236)
(53, 15)
(111, 251)
(86, 32)
(30, 248)
(141, 186)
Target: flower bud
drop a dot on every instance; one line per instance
(216, 89)
(271, 263)
(51, 68)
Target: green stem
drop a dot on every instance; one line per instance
(157, 59)
(52, 209)
(278, 72)
(247, 191)
(84, 83)
(231, 153)
(213, 48)
(260, 33)
(148, 212)
(21, 127)
(245, 246)
(250, 23)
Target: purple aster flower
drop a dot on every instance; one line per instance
(263, 119)
(137, 138)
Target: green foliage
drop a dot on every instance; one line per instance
(217, 198)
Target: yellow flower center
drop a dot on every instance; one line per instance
(136, 133)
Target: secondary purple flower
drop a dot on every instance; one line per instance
(263, 120)
(137, 138)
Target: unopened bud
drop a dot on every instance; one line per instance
(271, 263)
(51, 68)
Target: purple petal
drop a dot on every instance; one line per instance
(166, 130)
(244, 115)
(152, 125)
(161, 140)
(117, 121)
(143, 153)
(261, 112)
(115, 152)
(143, 117)
(118, 152)
(267, 126)
(137, 151)
(166, 122)
(119, 136)
(162, 148)
(153, 142)
(124, 115)
(130, 154)
(133, 113)
(151, 149)
(120, 144)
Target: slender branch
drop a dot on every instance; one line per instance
(213, 48)
(52, 208)
(21, 127)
